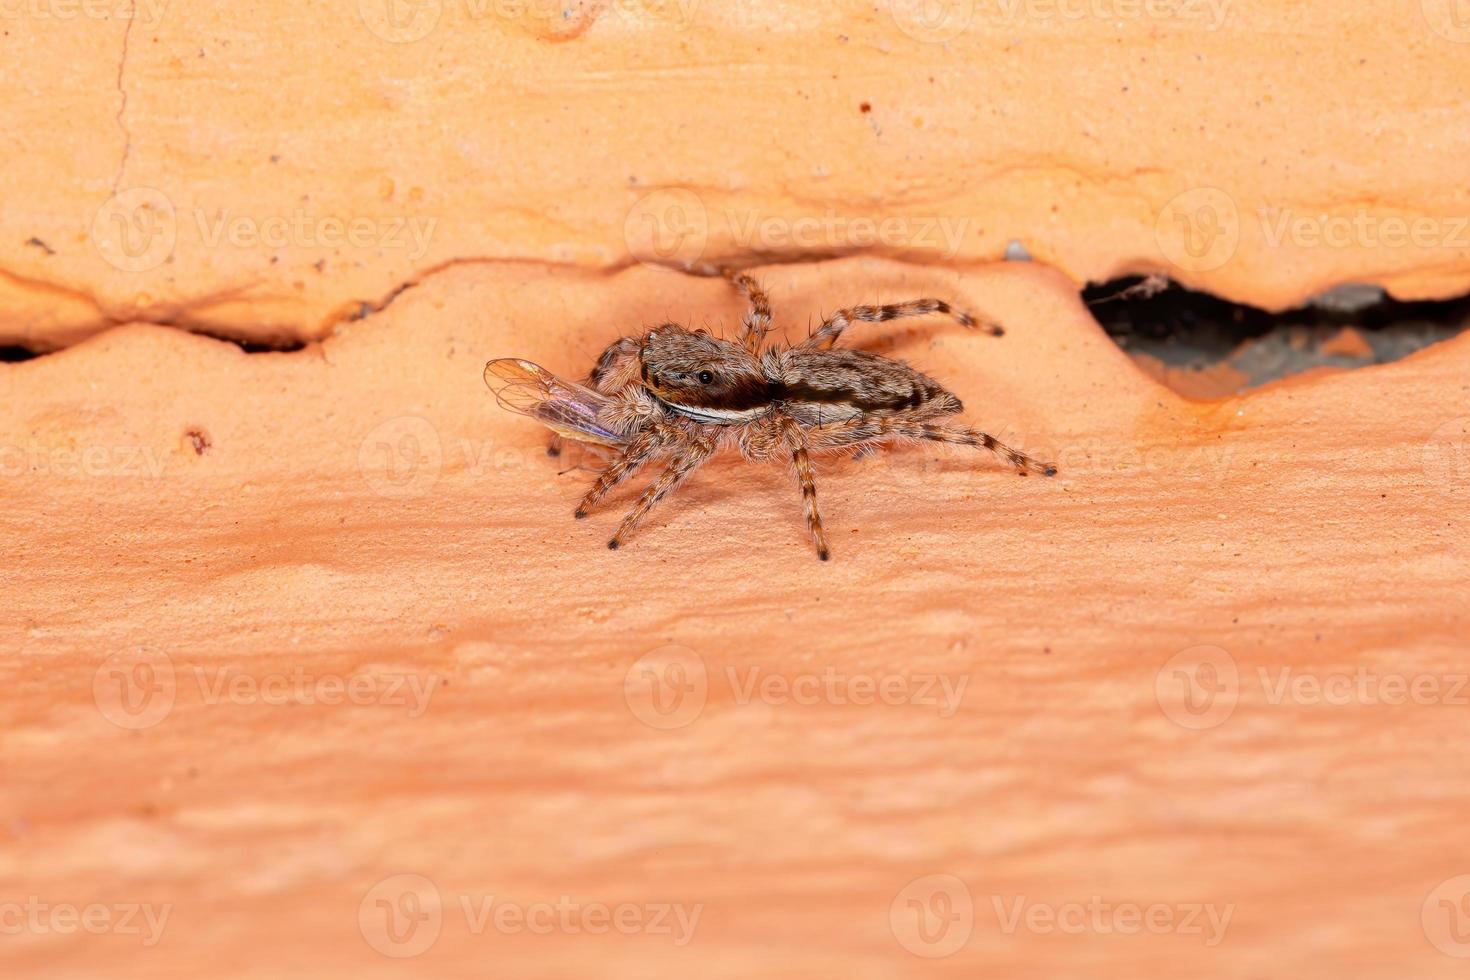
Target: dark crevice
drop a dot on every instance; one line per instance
(14, 355)
(260, 347)
(1206, 347)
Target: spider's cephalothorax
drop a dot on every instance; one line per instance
(702, 377)
(683, 394)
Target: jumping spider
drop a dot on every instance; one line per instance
(684, 394)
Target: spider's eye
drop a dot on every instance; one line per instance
(705, 377)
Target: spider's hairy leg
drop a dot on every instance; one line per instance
(831, 329)
(964, 436)
(683, 463)
(866, 429)
(625, 464)
(758, 318)
(801, 463)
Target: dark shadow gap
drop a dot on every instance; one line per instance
(1206, 347)
(14, 355)
(253, 347)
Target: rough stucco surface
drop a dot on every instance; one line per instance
(263, 170)
(187, 526)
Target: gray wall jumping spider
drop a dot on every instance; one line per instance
(680, 394)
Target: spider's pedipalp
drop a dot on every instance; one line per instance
(616, 368)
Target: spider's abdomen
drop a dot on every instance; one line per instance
(832, 385)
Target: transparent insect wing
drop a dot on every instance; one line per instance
(566, 408)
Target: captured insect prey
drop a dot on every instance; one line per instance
(680, 395)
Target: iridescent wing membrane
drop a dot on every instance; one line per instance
(568, 409)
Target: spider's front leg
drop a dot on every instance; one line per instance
(831, 329)
(684, 462)
(643, 448)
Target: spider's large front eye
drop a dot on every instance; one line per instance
(705, 377)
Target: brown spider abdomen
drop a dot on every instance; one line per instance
(827, 386)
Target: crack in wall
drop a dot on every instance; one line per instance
(180, 316)
(1199, 344)
(122, 64)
